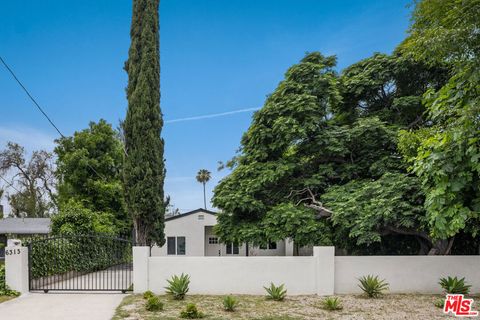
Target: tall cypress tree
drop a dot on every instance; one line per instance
(144, 170)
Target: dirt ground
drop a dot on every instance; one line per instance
(390, 306)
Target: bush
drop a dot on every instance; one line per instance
(373, 286)
(332, 303)
(178, 286)
(148, 294)
(191, 312)
(4, 289)
(276, 293)
(229, 303)
(439, 303)
(153, 304)
(454, 285)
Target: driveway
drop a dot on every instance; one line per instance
(61, 306)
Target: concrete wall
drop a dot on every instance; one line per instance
(16, 266)
(237, 275)
(406, 274)
(322, 273)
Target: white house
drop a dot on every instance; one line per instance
(191, 234)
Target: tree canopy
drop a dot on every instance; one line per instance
(380, 158)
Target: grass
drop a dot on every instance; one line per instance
(6, 298)
(404, 306)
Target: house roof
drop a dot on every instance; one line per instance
(190, 213)
(25, 225)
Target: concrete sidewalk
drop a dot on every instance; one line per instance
(61, 306)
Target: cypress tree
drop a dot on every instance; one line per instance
(144, 169)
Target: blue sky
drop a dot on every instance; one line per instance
(216, 57)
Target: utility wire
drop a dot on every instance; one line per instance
(41, 110)
(11, 185)
(30, 96)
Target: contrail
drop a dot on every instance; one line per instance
(213, 115)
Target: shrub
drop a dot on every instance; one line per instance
(439, 303)
(454, 285)
(373, 286)
(332, 303)
(148, 294)
(153, 304)
(276, 293)
(178, 286)
(229, 303)
(4, 289)
(191, 312)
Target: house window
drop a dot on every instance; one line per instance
(171, 244)
(201, 217)
(181, 245)
(176, 245)
(212, 240)
(232, 248)
(270, 246)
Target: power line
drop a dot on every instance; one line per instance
(11, 185)
(30, 96)
(41, 110)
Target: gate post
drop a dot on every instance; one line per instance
(324, 270)
(140, 269)
(16, 266)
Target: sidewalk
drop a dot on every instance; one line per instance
(61, 306)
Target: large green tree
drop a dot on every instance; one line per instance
(89, 171)
(446, 154)
(144, 169)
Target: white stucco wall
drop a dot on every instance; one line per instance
(323, 273)
(406, 274)
(235, 275)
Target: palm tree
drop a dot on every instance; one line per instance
(203, 176)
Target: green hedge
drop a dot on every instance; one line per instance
(77, 253)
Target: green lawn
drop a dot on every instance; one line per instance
(5, 298)
(402, 306)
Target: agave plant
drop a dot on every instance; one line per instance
(229, 303)
(373, 286)
(178, 286)
(454, 285)
(276, 293)
(332, 303)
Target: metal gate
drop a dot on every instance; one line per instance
(80, 263)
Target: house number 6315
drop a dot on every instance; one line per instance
(10, 252)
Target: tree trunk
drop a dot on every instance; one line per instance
(204, 197)
(442, 247)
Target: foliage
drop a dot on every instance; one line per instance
(373, 286)
(445, 155)
(144, 167)
(454, 285)
(33, 181)
(75, 219)
(89, 169)
(332, 304)
(69, 254)
(153, 304)
(325, 145)
(178, 286)
(148, 294)
(4, 289)
(276, 293)
(191, 312)
(229, 303)
(439, 303)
